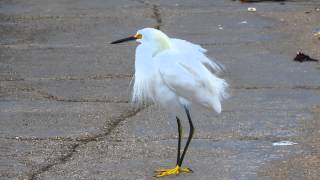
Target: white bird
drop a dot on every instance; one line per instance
(175, 73)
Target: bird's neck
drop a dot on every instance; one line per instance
(163, 43)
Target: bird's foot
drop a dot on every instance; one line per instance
(174, 171)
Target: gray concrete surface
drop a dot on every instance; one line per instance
(64, 90)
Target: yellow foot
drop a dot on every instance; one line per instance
(174, 171)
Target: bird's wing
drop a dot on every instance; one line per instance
(190, 79)
(189, 45)
(199, 54)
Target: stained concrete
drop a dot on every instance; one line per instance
(65, 91)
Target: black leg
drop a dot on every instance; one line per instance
(179, 139)
(190, 135)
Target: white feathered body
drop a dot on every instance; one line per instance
(178, 76)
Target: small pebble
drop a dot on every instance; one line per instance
(317, 32)
(252, 9)
(283, 143)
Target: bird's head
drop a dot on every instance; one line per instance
(150, 36)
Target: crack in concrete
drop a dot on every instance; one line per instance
(62, 78)
(157, 16)
(98, 77)
(229, 43)
(297, 87)
(109, 127)
(57, 161)
(4, 78)
(62, 99)
(67, 78)
(94, 77)
(215, 139)
(306, 87)
(146, 3)
(255, 87)
(19, 18)
(84, 141)
(156, 12)
(57, 138)
(23, 46)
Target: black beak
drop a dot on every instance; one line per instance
(131, 38)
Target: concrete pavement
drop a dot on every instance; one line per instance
(64, 91)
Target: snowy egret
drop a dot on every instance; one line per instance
(175, 73)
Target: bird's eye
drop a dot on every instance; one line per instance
(138, 36)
